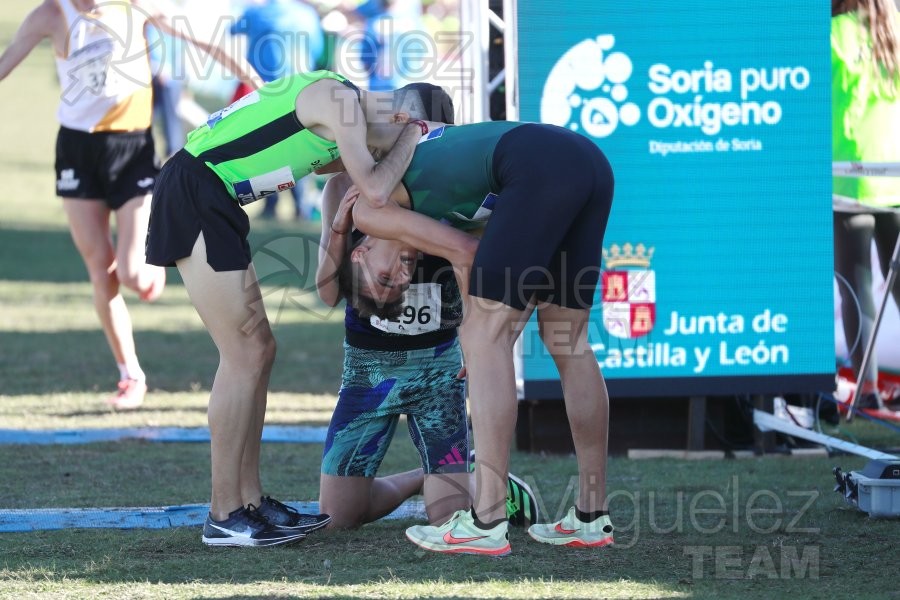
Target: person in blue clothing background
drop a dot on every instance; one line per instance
(164, 50)
(284, 37)
(386, 22)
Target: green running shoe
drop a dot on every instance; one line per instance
(521, 504)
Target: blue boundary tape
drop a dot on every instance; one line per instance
(162, 517)
(298, 434)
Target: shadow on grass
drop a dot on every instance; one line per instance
(49, 255)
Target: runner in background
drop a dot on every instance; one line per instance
(865, 67)
(105, 158)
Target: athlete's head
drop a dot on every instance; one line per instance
(374, 274)
(388, 112)
(425, 101)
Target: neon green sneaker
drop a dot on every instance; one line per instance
(572, 532)
(521, 505)
(459, 535)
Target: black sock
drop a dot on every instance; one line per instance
(590, 516)
(481, 524)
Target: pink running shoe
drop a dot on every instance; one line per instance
(130, 396)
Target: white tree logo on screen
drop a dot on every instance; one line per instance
(585, 90)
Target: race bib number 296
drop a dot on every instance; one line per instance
(421, 311)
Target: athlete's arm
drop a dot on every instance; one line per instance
(36, 26)
(345, 118)
(236, 65)
(393, 222)
(337, 223)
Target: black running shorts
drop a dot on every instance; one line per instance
(545, 235)
(110, 166)
(190, 199)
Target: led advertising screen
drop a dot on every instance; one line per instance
(717, 262)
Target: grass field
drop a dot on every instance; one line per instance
(766, 527)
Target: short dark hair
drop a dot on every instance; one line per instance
(352, 288)
(436, 103)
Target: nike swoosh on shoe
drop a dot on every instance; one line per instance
(231, 532)
(448, 537)
(560, 529)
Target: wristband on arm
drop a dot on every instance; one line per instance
(422, 125)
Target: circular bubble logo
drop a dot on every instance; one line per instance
(585, 90)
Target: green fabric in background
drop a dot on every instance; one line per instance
(865, 113)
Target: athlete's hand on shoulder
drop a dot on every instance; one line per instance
(343, 218)
(332, 110)
(352, 191)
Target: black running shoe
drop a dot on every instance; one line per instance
(282, 515)
(247, 527)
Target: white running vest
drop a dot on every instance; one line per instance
(105, 73)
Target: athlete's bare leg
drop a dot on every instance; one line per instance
(89, 226)
(564, 333)
(133, 272)
(229, 303)
(487, 335)
(251, 485)
(446, 493)
(354, 501)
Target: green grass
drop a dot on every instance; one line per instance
(754, 513)
(685, 529)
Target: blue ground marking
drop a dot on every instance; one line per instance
(162, 517)
(272, 433)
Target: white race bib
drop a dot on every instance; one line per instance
(421, 311)
(250, 190)
(251, 98)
